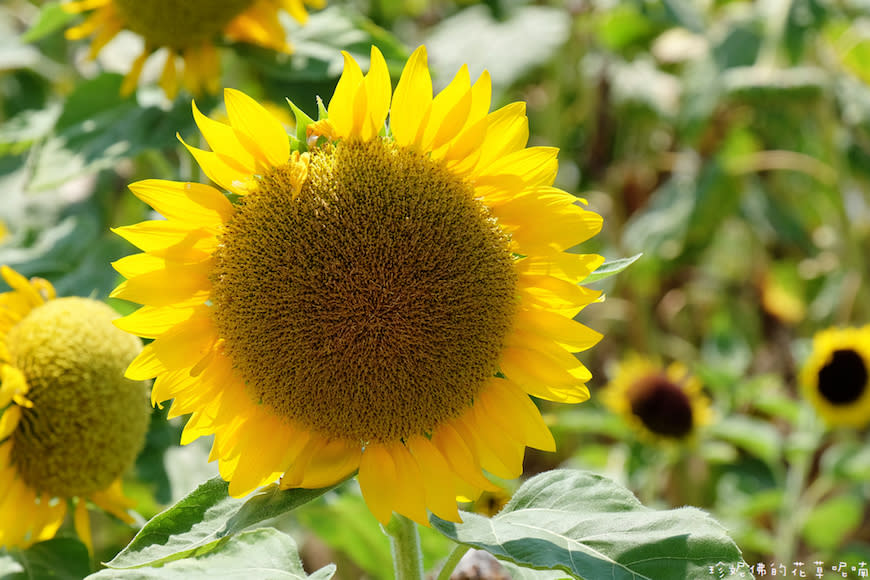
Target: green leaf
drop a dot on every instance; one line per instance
(508, 48)
(97, 128)
(358, 535)
(193, 525)
(754, 436)
(58, 558)
(263, 553)
(302, 122)
(686, 14)
(52, 17)
(611, 268)
(831, 522)
(592, 528)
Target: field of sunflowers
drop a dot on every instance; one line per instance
(409, 289)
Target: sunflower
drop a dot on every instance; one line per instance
(187, 30)
(836, 376)
(660, 404)
(376, 300)
(71, 423)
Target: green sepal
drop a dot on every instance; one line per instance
(300, 142)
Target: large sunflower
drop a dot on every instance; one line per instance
(71, 423)
(836, 376)
(187, 30)
(380, 300)
(662, 405)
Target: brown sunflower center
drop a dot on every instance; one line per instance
(374, 304)
(88, 422)
(662, 406)
(179, 24)
(843, 379)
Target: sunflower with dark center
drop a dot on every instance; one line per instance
(836, 376)
(379, 299)
(71, 423)
(188, 30)
(660, 404)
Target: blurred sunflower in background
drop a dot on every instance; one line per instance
(380, 300)
(188, 30)
(660, 404)
(836, 376)
(71, 424)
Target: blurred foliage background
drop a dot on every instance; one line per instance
(726, 141)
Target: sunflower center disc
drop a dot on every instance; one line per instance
(179, 24)
(663, 407)
(373, 305)
(843, 380)
(88, 422)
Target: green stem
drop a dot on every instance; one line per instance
(804, 441)
(405, 547)
(452, 560)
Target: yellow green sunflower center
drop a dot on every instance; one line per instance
(179, 24)
(88, 422)
(374, 304)
(843, 379)
(662, 406)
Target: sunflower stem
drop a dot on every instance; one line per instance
(405, 547)
(452, 561)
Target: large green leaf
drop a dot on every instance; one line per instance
(195, 525)
(58, 558)
(97, 128)
(265, 553)
(591, 527)
(508, 49)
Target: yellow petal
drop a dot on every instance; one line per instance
(113, 500)
(12, 384)
(185, 344)
(131, 79)
(547, 222)
(322, 463)
(169, 76)
(342, 106)
(507, 407)
(221, 137)
(170, 240)
(48, 519)
(555, 293)
(437, 479)
(498, 454)
(22, 286)
(540, 376)
(261, 447)
(378, 91)
(158, 282)
(481, 99)
(461, 456)
(533, 165)
(412, 99)
(409, 495)
(378, 481)
(151, 321)
(82, 522)
(561, 329)
(449, 112)
(257, 128)
(572, 268)
(191, 203)
(9, 421)
(507, 131)
(221, 169)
